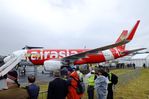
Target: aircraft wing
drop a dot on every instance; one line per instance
(96, 50)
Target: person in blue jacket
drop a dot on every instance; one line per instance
(32, 88)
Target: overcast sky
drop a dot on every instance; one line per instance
(70, 23)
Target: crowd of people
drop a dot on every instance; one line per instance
(102, 81)
(68, 83)
(65, 86)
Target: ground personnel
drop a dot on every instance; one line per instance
(91, 83)
(113, 80)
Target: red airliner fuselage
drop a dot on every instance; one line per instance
(38, 56)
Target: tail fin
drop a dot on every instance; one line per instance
(121, 38)
(128, 37)
(132, 32)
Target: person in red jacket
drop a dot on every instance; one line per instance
(72, 93)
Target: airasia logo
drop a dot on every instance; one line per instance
(53, 54)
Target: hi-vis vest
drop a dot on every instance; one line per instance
(80, 75)
(90, 80)
(110, 78)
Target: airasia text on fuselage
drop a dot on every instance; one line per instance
(50, 54)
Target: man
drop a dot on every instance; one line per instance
(134, 66)
(91, 83)
(113, 80)
(57, 88)
(32, 88)
(14, 91)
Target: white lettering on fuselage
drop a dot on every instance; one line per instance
(73, 52)
(51, 54)
(34, 55)
(62, 54)
(46, 53)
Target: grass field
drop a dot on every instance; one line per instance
(137, 87)
(121, 71)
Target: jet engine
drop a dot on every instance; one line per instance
(51, 65)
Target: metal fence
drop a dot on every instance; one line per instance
(42, 95)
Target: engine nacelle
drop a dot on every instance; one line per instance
(51, 65)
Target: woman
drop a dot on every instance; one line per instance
(101, 85)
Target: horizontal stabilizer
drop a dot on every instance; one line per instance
(31, 47)
(132, 51)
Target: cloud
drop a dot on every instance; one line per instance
(70, 23)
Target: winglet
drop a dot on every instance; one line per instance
(132, 32)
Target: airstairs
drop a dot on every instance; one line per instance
(12, 61)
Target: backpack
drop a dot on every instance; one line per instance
(80, 86)
(114, 79)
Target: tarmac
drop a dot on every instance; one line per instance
(41, 78)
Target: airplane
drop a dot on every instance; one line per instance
(53, 59)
